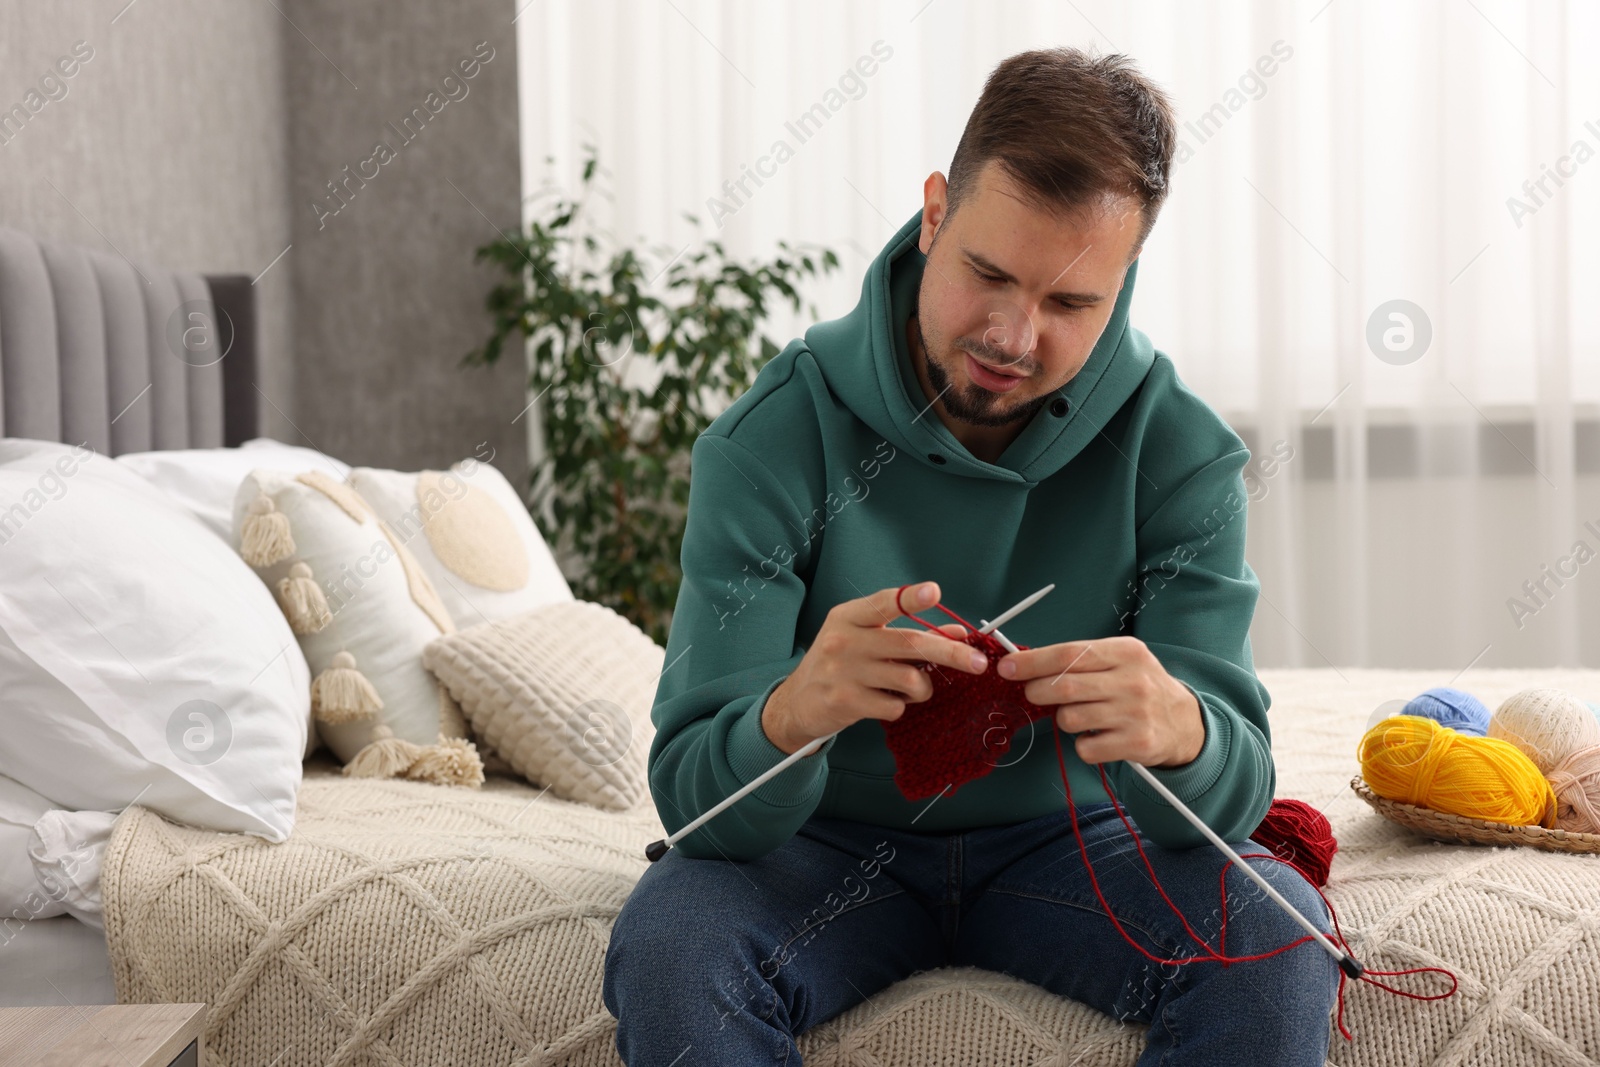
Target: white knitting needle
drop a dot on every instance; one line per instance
(656, 849)
(1346, 962)
(987, 626)
(1012, 612)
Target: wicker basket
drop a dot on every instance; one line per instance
(1442, 826)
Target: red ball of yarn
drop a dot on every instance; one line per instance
(1299, 834)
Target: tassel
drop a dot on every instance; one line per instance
(302, 601)
(449, 761)
(384, 756)
(265, 538)
(343, 694)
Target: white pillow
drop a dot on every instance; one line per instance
(50, 860)
(362, 610)
(142, 662)
(21, 895)
(68, 852)
(204, 480)
(473, 536)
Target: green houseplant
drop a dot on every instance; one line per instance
(628, 365)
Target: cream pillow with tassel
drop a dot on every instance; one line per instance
(362, 610)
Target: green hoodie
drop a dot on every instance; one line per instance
(822, 484)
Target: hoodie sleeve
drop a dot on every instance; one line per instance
(1197, 597)
(732, 641)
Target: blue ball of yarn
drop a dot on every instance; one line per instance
(1594, 708)
(1455, 708)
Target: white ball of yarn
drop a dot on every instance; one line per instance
(1548, 725)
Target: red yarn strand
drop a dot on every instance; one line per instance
(930, 626)
(1221, 956)
(1295, 818)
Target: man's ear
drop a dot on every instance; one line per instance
(933, 210)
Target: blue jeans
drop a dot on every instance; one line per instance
(717, 962)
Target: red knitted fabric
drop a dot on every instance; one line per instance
(964, 730)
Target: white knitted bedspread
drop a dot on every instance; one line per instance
(406, 923)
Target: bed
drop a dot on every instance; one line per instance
(408, 923)
(404, 923)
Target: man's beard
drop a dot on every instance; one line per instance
(977, 407)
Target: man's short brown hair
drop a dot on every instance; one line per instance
(1070, 127)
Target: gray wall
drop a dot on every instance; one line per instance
(169, 145)
(199, 136)
(388, 297)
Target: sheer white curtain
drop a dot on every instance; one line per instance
(1354, 176)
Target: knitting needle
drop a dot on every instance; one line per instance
(998, 636)
(1347, 963)
(1012, 612)
(656, 849)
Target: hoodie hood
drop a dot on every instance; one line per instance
(866, 361)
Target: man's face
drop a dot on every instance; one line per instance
(1018, 289)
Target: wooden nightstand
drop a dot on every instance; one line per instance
(117, 1035)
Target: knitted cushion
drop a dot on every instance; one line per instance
(563, 693)
(963, 731)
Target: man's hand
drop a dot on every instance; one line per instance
(856, 668)
(1116, 696)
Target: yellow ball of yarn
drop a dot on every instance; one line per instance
(1416, 761)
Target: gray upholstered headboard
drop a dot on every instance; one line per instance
(123, 356)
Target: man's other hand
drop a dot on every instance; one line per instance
(1116, 696)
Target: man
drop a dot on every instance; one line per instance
(985, 422)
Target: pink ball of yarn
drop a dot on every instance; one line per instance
(1576, 781)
